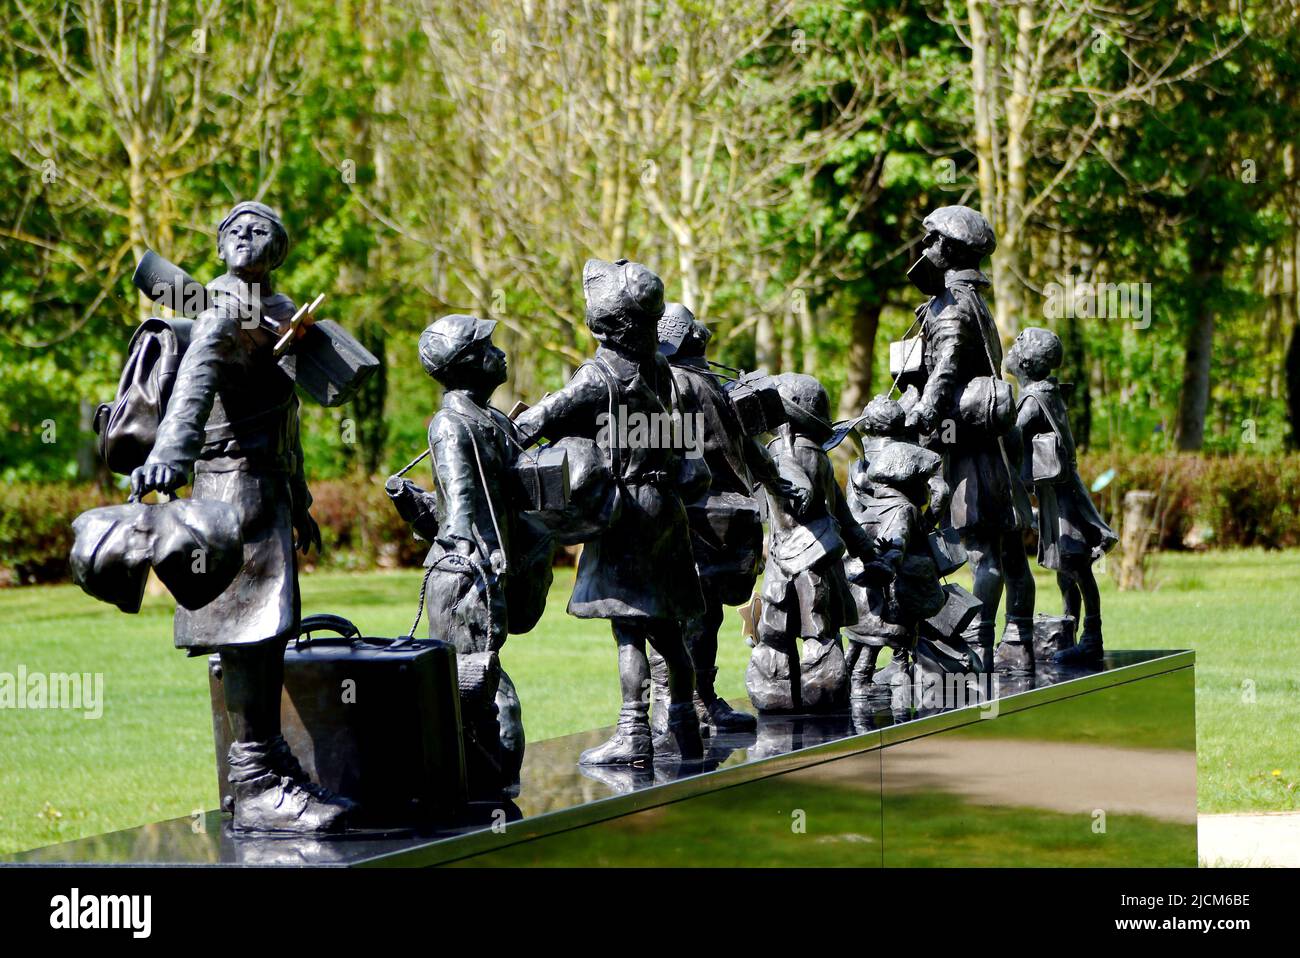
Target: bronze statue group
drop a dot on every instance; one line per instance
(668, 539)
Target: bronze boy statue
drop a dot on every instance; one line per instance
(888, 491)
(1071, 532)
(232, 422)
(805, 593)
(488, 564)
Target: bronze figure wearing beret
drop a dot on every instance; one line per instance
(232, 423)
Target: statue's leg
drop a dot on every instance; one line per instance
(1016, 653)
(630, 742)
(1071, 596)
(681, 735)
(1088, 650)
(252, 676)
(772, 675)
(986, 568)
(702, 641)
(260, 760)
(860, 659)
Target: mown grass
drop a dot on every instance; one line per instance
(150, 755)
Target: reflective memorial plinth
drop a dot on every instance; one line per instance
(1062, 768)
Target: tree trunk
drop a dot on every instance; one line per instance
(1293, 386)
(807, 340)
(765, 343)
(1136, 534)
(861, 358)
(1075, 370)
(1194, 398)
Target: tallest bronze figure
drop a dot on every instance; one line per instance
(232, 424)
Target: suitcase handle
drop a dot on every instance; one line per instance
(326, 621)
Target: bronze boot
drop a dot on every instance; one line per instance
(630, 743)
(1089, 652)
(681, 739)
(1015, 654)
(273, 794)
(713, 711)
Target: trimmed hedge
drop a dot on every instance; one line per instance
(1220, 502)
(1227, 502)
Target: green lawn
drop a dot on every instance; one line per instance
(150, 755)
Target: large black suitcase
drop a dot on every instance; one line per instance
(376, 720)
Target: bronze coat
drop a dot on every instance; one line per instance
(233, 419)
(641, 566)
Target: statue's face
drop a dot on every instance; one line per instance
(483, 365)
(246, 244)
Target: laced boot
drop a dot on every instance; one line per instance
(630, 743)
(713, 711)
(273, 794)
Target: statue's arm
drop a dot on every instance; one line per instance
(457, 476)
(180, 437)
(946, 334)
(568, 412)
(856, 540)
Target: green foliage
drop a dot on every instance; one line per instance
(349, 131)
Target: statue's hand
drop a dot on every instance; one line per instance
(920, 419)
(306, 533)
(799, 497)
(159, 476)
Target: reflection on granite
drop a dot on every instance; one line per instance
(554, 785)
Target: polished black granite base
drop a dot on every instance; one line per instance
(1063, 768)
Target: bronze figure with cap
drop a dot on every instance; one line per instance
(726, 519)
(489, 563)
(805, 594)
(1071, 532)
(966, 410)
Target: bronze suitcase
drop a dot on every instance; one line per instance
(375, 720)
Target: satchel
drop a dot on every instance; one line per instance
(756, 402)
(947, 551)
(987, 406)
(958, 611)
(1047, 462)
(128, 426)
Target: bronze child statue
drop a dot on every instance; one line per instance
(805, 594)
(889, 490)
(232, 422)
(638, 572)
(968, 412)
(488, 566)
(726, 521)
(1071, 532)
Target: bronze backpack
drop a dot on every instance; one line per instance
(128, 426)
